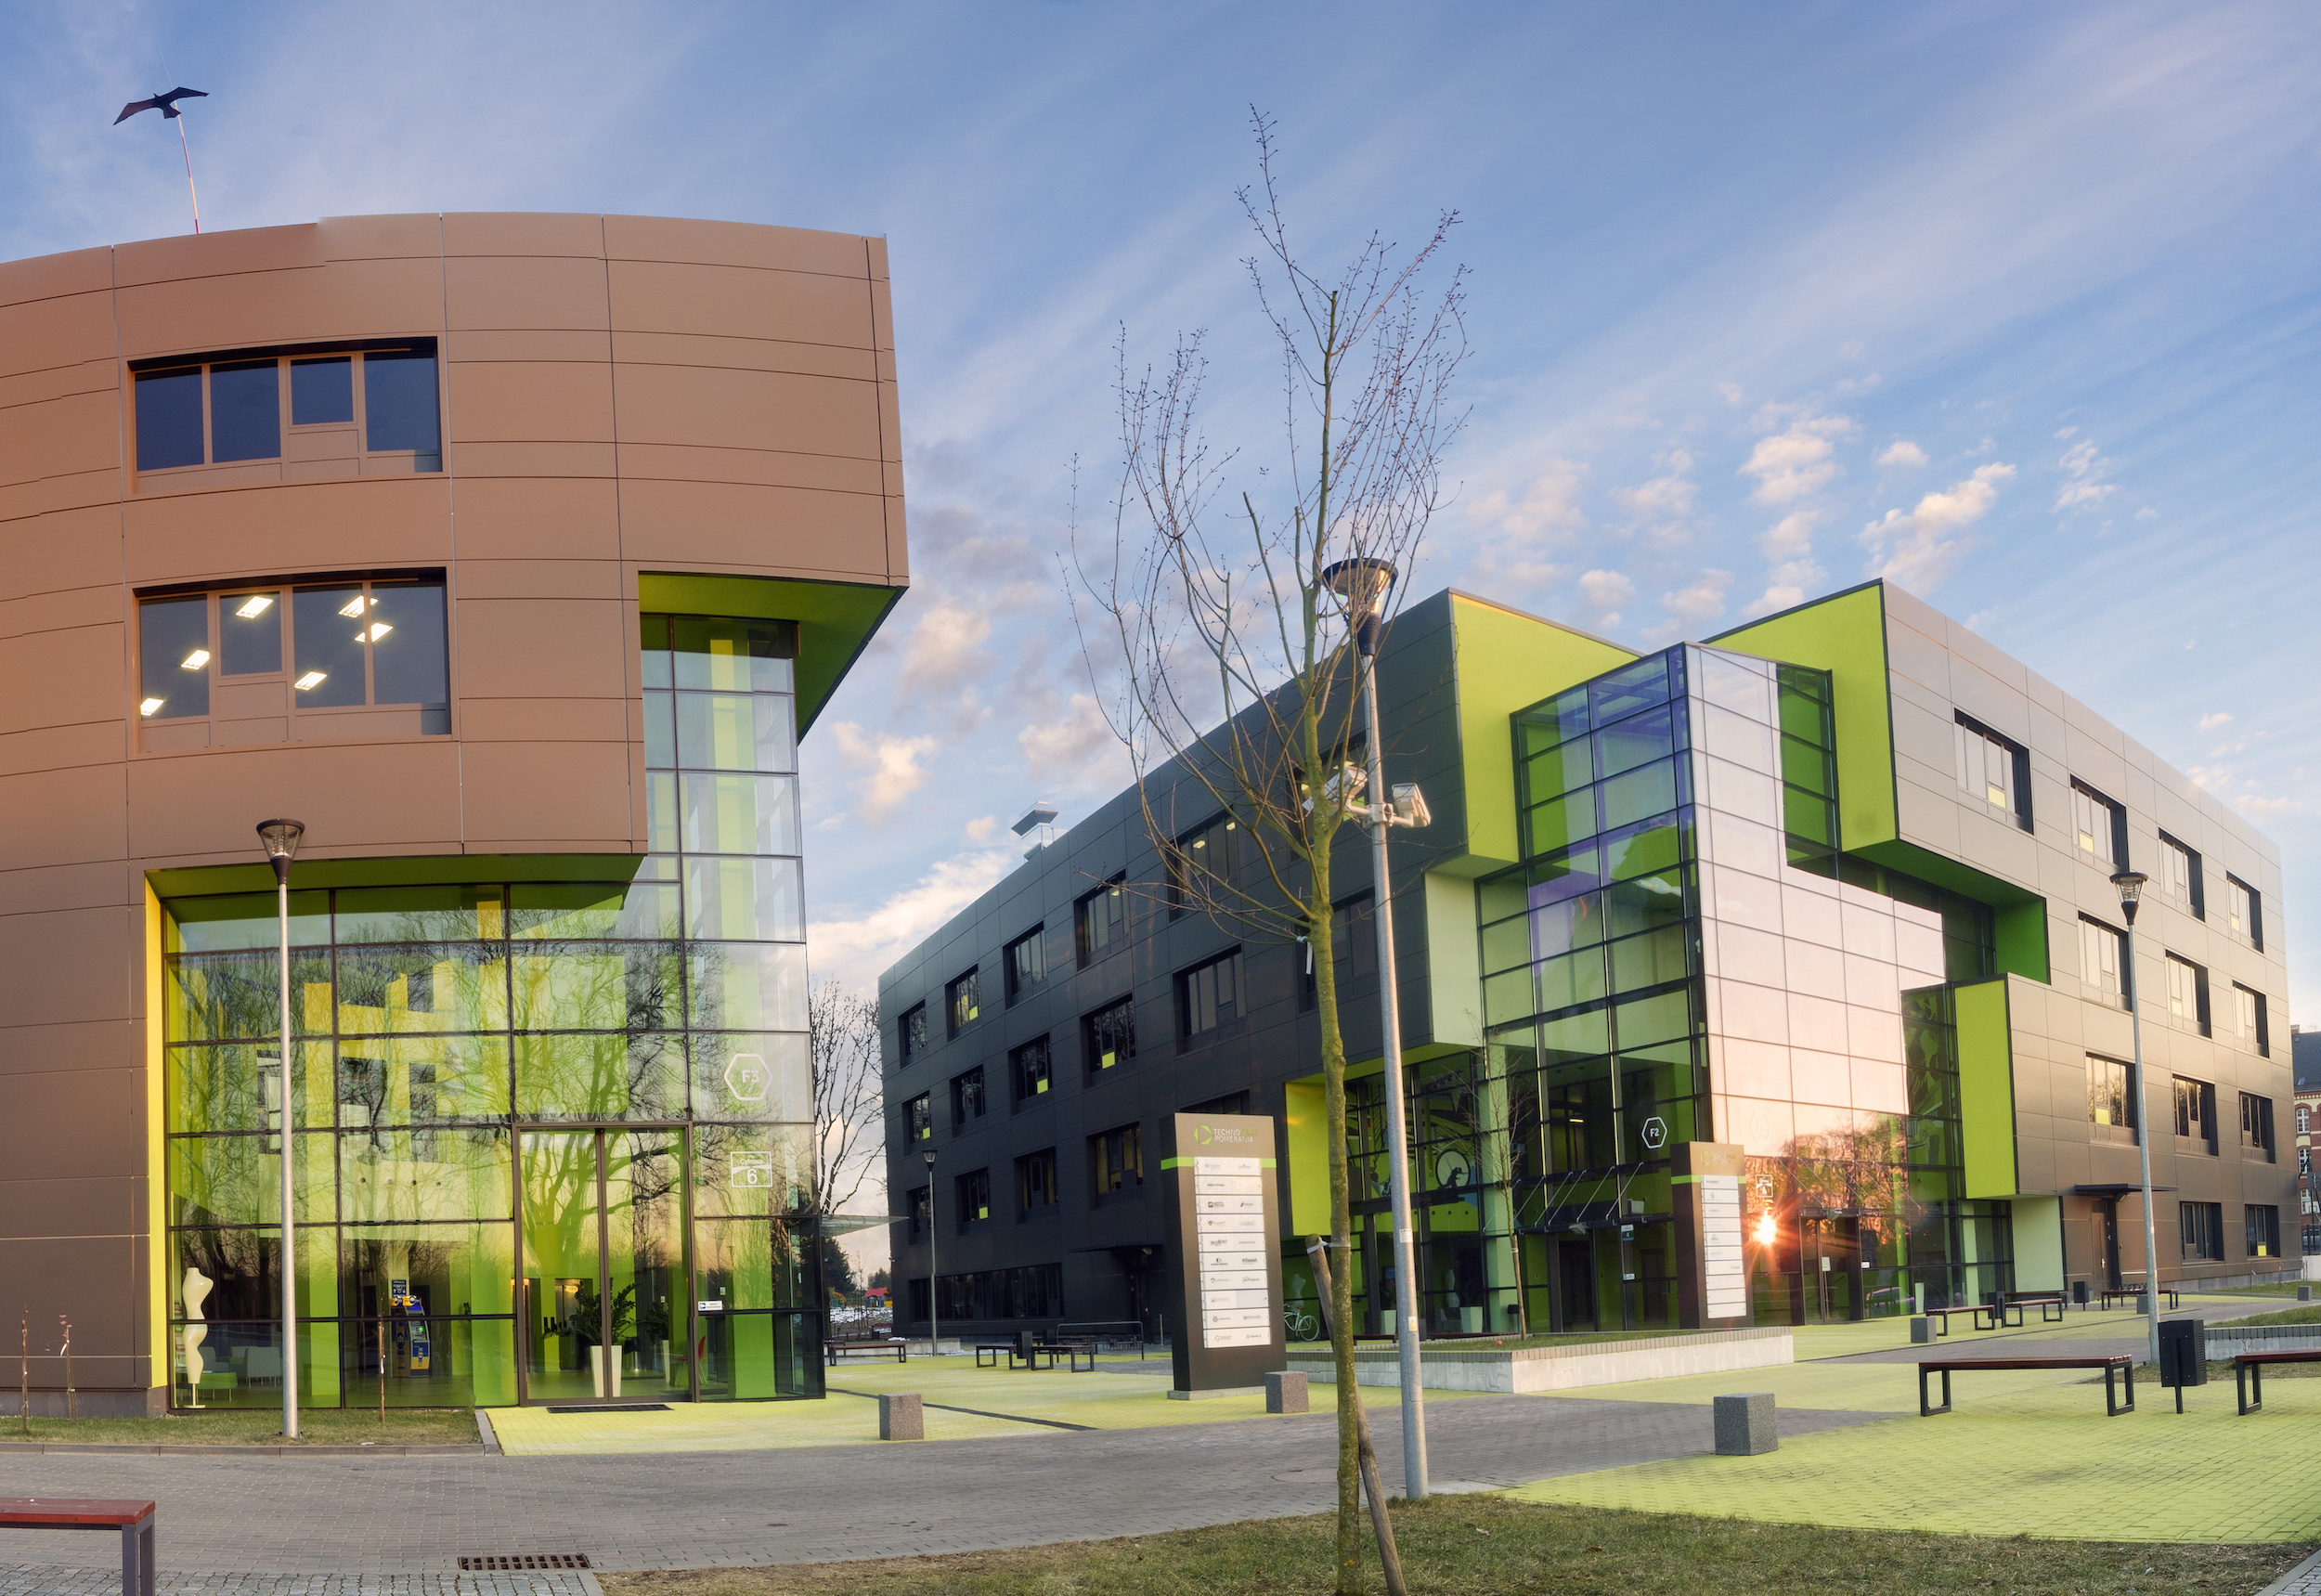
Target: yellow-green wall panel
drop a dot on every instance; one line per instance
(1985, 1089)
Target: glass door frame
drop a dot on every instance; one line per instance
(527, 1311)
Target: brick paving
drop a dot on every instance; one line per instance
(413, 1515)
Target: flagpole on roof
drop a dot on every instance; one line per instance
(196, 198)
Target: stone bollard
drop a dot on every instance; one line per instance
(1285, 1392)
(900, 1417)
(1922, 1331)
(2304, 1293)
(1745, 1425)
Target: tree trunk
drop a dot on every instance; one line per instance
(1389, 1557)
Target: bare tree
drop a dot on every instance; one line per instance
(1238, 663)
(842, 1037)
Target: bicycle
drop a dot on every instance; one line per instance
(1298, 1325)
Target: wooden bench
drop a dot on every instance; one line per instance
(898, 1349)
(133, 1519)
(2248, 1373)
(1941, 1317)
(2135, 1294)
(2049, 1307)
(2113, 1366)
(1027, 1355)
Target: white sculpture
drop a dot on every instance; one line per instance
(197, 1288)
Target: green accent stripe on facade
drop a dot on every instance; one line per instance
(430, 870)
(836, 620)
(2018, 917)
(1985, 1089)
(1306, 1111)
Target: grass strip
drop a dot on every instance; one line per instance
(1487, 1546)
(2304, 1315)
(261, 1427)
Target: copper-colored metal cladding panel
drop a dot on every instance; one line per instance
(619, 396)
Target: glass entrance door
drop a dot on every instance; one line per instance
(603, 1265)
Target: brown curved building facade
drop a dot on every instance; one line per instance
(510, 553)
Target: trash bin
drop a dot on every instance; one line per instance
(2182, 1354)
(2079, 1293)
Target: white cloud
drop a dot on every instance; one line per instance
(2083, 469)
(983, 830)
(1851, 349)
(1731, 392)
(1702, 599)
(855, 949)
(1980, 619)
(890, 767)
(945, 651)
(1661, 496)
(1079, 751)
(1545, 506)
(1606, 590)
(1920, 549)
(2210, 722)
(2148, 514)
(1796, 461)
(1792, 535)
(1903, 454)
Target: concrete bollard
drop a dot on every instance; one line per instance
(1745, 1425)
(1922, 1331)
(901, 1417)
(1285, 1392)
(2304, 1293)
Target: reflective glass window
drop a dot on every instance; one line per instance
(390, 1081)
(740, 814)
(746, 986)
(462, 1172)
(1628, 688)
(329, 624)
(244, 920)
(728, 731)
(751, 1075)
(399, 407)
(445, 914)
(596, 986)
(557, 909)
(408, 660)
(443, 987)
(174, 654)
(726, 656)
(322, 391)
(249, 634)
(733, 898)
(169, 419)
(604, 1076)
(246, 410)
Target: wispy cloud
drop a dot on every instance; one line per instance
(2083, 487)
(890, 769)
(1902, 455)
(855, 948)
(1923, 546)
(1606, 592)
(1796, 461)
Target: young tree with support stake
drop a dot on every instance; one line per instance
(1234, 650)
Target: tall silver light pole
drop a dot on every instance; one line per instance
(1363, 584)
(2130, 884)
(934, 1281)
(280, 837)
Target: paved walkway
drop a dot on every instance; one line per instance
(29, 1581)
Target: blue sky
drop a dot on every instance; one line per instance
(2014, 304)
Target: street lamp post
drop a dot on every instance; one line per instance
(2130, 884)
(1362, 583)
(280, 837)
(934, 1297)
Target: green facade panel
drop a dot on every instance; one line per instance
(1985, 1089)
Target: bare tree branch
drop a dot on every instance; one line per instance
(842, 1039)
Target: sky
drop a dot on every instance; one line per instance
(2008, 304)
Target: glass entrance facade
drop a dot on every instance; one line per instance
(552, 1138)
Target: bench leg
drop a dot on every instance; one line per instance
(146, 1537)
(1924, 1410)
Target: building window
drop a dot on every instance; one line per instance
(2180, 876)
(967, 1097)
(1993, 770)
(2256, 1125)
(1231, 1103)
(2103, 959)
(362, 411)
(975, 1199)
(963, 1001)
(2242, 906)
(1035, 1181)
(1352, 948)
(2304, 1155)
(1108, 1036)
(2195, 1114)
(2250, 1021)
(2305, 1120)
(918, 1120)
(1203, 866)
(2099, 827)
(2187, 994)
(1026, 963)
(1100, 921)
(261, 662)
(1031, 1067)
(920, 1197)
(2201, 1225)
(1209, 995)
(1116, 1160)
(2110, 1103)
(910, 1034)
(1027, 1292)
(2260, 1224)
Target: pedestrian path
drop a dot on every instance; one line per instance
(31, 1579)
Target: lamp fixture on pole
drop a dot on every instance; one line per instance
(2131, 885)
(934, 1303)
(280, 840)
(1363, 583)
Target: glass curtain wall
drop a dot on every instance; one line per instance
(552, 1138)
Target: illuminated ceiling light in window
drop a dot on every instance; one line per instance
(196, 660)
(311, 678)
(149, 705)
(354, 606)
(379, 630)
(254, 605)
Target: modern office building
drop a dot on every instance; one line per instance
(512, 554)
(2305, 1057)
(1832, 888)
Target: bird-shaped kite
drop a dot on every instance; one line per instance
(167, 105)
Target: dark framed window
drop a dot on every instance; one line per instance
(1026, 965)
(1211, 994)
(2256, 1125)
(2195, 1113)
(2187, 994)
(1203, 865)
(2251, 1023)
(1995, 768)
(2110, 1100)
(1107, 1037)
(1231, 1103)
(974, 1206)
(910, 1034)
(1352, 948)
(1116, 1160)
(967, 1097)
(963, 1001)
(2200, 1227)
(1032, 1070)
(1100, 921)
(2180, 876)
(918, 1120)
(2244, 908)
(349, 410)
(1035, 1181)
(2099, 827)
(920, 1197)
(2261, 1230)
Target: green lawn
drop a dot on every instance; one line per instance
(2310, 1315)
(1488, 1546)
(261, 1427)
(1502, 1342)
(2270, 1288)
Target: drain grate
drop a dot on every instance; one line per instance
(614, 1407)
(519, 1561)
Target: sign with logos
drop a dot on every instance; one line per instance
(1713, 1270)
(1223, 1211)
(749, 1170)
